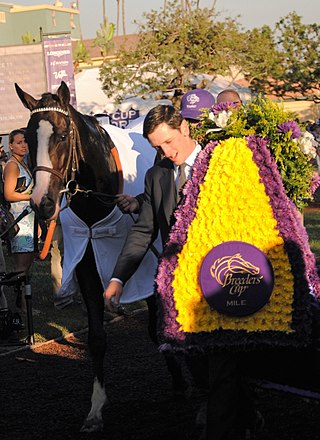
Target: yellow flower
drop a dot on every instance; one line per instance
(232, 205)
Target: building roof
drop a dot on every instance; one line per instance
(22, 8)
(130, 42)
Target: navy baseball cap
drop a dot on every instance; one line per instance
(194, 101)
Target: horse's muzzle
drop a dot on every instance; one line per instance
(46, 209)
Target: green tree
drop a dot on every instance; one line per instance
(257, 55)
(104, 37)
(173, 47)
(80, 54)
(296, 67)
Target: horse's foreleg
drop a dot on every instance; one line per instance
(94, 420)
(92, 292)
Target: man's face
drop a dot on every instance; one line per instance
(175, 144)
(229, 97)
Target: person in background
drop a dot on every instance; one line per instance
(3, 160)
(18, 184)
(3, 299)
(229, 95)
(193, 104)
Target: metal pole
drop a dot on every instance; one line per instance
(28, 297)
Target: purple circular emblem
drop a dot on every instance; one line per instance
(236, 278)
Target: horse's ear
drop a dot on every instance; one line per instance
(64, 94)
(27, 100)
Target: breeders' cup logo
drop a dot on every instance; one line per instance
(236, 278)
(193, 99)
(223, 270)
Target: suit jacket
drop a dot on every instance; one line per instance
(155, 215)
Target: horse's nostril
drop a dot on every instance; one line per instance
(46, 209)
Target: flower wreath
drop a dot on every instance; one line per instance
(210, 215)
(292, 147)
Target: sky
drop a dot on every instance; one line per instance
(253, 13)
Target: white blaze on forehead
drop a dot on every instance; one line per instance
(44, 131)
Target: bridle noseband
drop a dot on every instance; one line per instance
(49, 170)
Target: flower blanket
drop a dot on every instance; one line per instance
(236, 194)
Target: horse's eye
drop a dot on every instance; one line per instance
(63, 137)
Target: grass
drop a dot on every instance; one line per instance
(312, 223)
(52, 323)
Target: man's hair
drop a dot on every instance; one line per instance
(160, 114)
(13, 133)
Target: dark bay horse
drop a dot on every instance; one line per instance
(66, 145)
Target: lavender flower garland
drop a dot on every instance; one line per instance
(292, 231)
(286, 213)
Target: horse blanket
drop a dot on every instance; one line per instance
(108, 235)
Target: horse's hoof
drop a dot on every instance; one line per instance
(92, 425)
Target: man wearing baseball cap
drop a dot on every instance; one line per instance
(194, 102)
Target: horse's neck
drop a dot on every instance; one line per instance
(97, 173)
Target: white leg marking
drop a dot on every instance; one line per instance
(94, 421)
(44, 131)
(98, 399)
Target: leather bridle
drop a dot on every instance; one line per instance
(75, 148)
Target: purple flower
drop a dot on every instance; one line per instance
(286, 127)
(223, 106)
(315, 183)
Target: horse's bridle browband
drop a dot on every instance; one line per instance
(49, 109)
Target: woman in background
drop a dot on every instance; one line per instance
(18, 184)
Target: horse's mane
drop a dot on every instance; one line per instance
(92, 128)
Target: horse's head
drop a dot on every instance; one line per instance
(47, 134)
(67, 145)
(232, 264)
(237, 264)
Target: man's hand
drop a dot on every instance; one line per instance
(112, 295)
(127, 204)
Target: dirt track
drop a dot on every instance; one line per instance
(45, 394)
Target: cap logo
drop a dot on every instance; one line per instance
(193, 99)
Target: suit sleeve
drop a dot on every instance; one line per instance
(140, 236)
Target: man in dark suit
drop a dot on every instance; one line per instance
(169, 132)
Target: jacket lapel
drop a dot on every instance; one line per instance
(168, 191)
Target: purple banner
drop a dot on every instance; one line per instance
(236, 278)
(59, 65)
